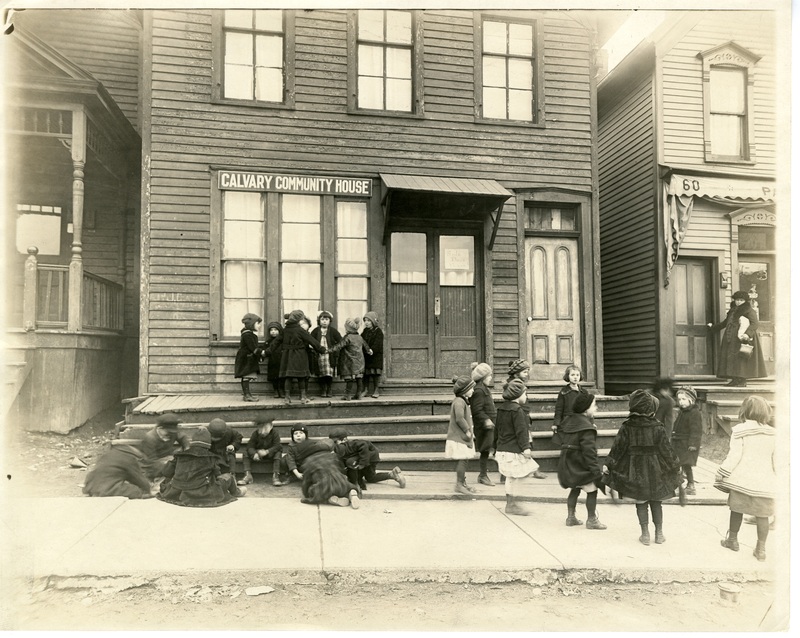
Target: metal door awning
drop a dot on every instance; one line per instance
(426, 197)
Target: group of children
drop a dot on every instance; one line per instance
(293, 353)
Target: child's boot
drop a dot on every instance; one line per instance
(644, 539)
(593, 522)
(660, 535)
(573, 520)
(690, 488)
(731, 541)
(760, 551)
(461, 488)
(397, 475)
(287, 391)
(303, 397)
(355, 501)
(376, 382)
(484, 479)
(514, 508)
(246, 479)
(246, 391)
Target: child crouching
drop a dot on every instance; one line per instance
(263, 446)
(578, 466)
(361, 460)
(117, 473)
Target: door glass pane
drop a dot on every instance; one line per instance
(456, 260)
(409, 258)
(754, 279)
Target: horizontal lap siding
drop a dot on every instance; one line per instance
(683, 87)
(627, 233)
(189, 133)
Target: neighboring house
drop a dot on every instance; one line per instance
(175, 169)
(687, 163)
(71, 198)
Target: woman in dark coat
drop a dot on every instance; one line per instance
(642, 465)
(741, 326)
(578, 466)
(294, 354)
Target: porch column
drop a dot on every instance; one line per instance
(78, 147)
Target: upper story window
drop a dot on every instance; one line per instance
(256, 55)
(507, 70)
(728, 78)
(386, 75)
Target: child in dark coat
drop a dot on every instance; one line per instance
(351, 360)
(160, 444)
(373, 362)
(263, 446)
(117, 473)
(327, 336)
(294, 355)
(225, 442)
(193, 477)
(272, 353)
(521, 369)
(568, 394)
(687, 433)
(663, 391)
(361, 459)
(248, 355)
(578, 467)
(484, 414)
(642, 465)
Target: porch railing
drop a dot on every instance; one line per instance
(47, 299)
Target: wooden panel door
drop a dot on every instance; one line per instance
(691, 290)
(553, 306)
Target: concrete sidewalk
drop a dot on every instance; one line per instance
(385, 540)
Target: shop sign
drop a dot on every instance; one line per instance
(273, 182)
(721, 187)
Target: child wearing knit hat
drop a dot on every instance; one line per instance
(578, 466)
(460, 434)
(351, 360)
(687, 433)
(225, 442)
(272, 353)
(361, 460)
(373, 362)
(513, 441)
(484, 413)
(248, 355)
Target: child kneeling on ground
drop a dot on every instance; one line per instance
(263, 446)
(361, 459)
(117, 473)
(578, 466)
(193, 477)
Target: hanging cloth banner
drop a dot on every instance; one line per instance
(678, 210)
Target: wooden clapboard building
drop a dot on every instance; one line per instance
(687, 163)
(436, 167)
(71, 201)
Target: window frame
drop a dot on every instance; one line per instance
(218, 64)
(272, 299)
(731, 56)
(538, 109)
(417, 68)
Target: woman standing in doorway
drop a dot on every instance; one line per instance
(741, 329)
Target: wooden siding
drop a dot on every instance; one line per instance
(683, 89)
(628, 234)
(189, 133)
(103, 42)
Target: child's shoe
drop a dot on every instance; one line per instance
(660, 535)
(594, 523)
(276, 480)
(539, 475)
(690, 489)
(731, 542)
(346, 397)
(759, 552)
(644, 539)
(241, 491)
(573, 521)
(461, 488)
(514, 508)
(397, 475)
(341, 501)
(484, 479)
(246, 479)
(362, 484)
(355, 502)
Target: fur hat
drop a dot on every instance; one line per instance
(338, 433)
(582, 402)
(688, 391)
(251, 317)
(324, 313)
(274, 324)
(217, 428)
(299, 427)
(480, 371)
(168, 420)
(462, 385)
(740, 294)
(295, 316)
(373, 317)
(643, 403)
(517, 366)
(514, 389)
(352, 324)
(202, 437)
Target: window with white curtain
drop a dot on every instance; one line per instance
(352, 267)
(301, 253)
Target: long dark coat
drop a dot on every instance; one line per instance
(578, 464)
(688, 432)
(247, 356)
(294, 351)
(565, 402)
(272, 352)
(374, 340)
(323, 477)
(117, 473)
(192, 480)
(642, 464)
(482, 406)
(356, 453)
(730, 362)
